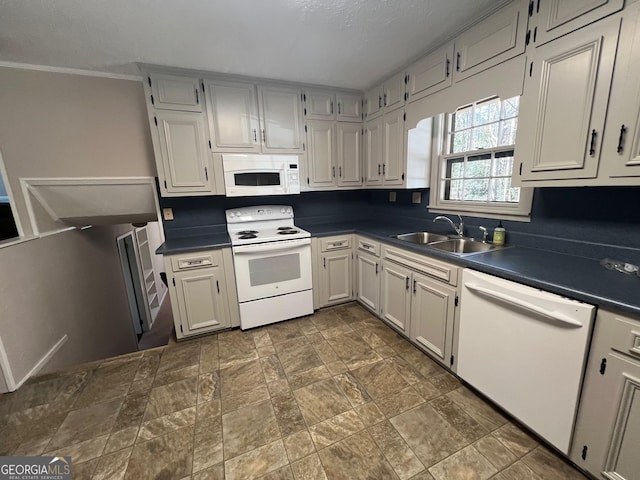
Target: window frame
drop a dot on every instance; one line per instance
(520, 211)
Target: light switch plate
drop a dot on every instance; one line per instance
(167, 213)
(392, 196)
(416, 197)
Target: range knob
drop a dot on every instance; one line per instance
(231, 215)
(288, 210)
(238, 214)
(282, 210)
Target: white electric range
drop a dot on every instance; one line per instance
(272, 261)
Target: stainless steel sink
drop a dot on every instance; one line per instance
(461, 246)
(421, 238)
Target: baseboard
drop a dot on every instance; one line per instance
(12, 385)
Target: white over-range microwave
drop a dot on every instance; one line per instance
(250, 175)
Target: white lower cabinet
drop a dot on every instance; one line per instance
(432, 316)
(395, 307)
(606, 440)
(202, 291)
(333, 272)
(368, 281)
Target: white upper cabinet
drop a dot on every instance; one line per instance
(233, 116)
(349, 154)
(349, 107)
(621, 144)
(430, 74)
(373, 152)
(184, 153)
(393, 147)
(173, 92)
(393, 91)
(554, 18)
(281, 119)
(321, 169)
(319, 105)
(373, 102)
(491, 41)
(563, 109)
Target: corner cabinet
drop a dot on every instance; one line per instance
(333, 277)
(202, 291)
(607, 433)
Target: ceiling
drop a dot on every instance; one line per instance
(342, 43)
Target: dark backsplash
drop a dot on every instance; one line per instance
(592, 222)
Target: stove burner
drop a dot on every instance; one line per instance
(285, 228)
(247, 236)
(288, 232)
(248, 232)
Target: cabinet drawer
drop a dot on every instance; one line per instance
(196, 260)
(335, 243)
(623, 332)
(370, 246)
(429, 266)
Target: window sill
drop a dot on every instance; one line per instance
(10, 242)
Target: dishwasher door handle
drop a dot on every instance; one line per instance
(555, 316)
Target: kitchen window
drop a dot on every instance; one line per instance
(476, 162)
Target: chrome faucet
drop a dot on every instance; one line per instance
(459, 229)
(485, 234)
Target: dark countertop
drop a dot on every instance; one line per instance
(579, 278)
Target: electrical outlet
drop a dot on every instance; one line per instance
(416, 197)
(392, 196)
(167, 213)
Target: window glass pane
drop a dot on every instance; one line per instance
(502, 191)
(460, 141)
(453, 190)
(461, 119)
(502, 166)
(455, 168)
(510, 107)
(485, 136)
(478, 166)
(488, 111)
(8, 228)
(476, 190)
(508, 132)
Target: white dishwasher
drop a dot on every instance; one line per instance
(525, 349)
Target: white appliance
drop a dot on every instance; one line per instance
(525, 349)
(250, 175)
(272, 261)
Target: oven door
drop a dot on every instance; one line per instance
(271, 269)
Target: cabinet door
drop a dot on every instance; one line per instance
(621, 144)
(173, 92)
(281, 119)
(368, 279)
(233, 116)
(373, 103)
(183, 147)
(349, 156)
(430, 74)
(492, 41)
(563, 109)
(555, 18)
(395, 293)
(393, 91)
(349, 107)
(432, 312)
(321, 154)
(319, 105)
(200, 299)
(336, 277)
(373, 152)
(393, 147)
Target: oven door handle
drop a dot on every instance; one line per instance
(271, 247)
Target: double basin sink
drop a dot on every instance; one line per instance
(457, 246)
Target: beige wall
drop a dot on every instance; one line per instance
(70, 283)
(61, 125)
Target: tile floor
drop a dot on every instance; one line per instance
(337, 395)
